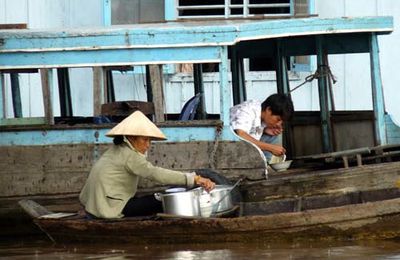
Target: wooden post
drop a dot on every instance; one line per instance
(2, 97)
(242, 79)
(148, 85)
(47, 90)
(323, 99)
(377, 92)
(345, 161)
(156, 78)
(64, 92)
(110, 93)
(199, 88)
(359, 159)
(16, 95)
(282, 79)
(99, 83)
(238, 83)
(225, 90)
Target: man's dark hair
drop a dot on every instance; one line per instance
(280, 105)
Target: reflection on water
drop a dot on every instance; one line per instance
(41, 249)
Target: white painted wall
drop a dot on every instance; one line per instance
(52, 14)
(353, 91)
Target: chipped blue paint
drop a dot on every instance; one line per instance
(2, 98)
(377, 92)
(226, 32)
(109, 57)
(225, 95)
(393, 131)
(170, 10)
(309, 26)
(132, 36)
(107, 12)
(159, 43)
(292, 7)
(80, 136)
(311, 6)
(225, 89)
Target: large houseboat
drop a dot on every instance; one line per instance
(48, 157)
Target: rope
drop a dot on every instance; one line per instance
(322, 71)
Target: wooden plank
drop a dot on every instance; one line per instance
(350, 152)
(11, 26)
(156, 78)
(34, 209)
(47, 90)
(20, 71)
(314, 182)
(318, 201)
(23, 121)
(57, 169)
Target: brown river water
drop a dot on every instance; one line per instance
(35, 248)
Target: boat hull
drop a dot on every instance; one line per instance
(372, 220)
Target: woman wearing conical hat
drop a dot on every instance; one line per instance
(109, 191)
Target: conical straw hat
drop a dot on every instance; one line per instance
(137, 124)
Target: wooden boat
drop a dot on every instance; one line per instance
(47, 158)
(371, 214)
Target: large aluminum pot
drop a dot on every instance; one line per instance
(184, 203)
(217, 194)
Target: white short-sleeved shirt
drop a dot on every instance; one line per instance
(247, 117)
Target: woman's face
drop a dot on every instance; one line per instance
(140, 143)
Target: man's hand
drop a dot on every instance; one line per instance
(277, 150)
(273, 130)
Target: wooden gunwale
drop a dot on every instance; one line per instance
(346, 222)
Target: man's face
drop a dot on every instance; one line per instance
(272, 121)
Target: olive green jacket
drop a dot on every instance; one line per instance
(114, 178)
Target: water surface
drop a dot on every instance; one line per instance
(44, 249)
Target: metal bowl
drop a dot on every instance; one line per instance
(221, 198)
(281, 166)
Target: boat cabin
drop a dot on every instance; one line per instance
(37, 150)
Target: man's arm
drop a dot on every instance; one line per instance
(273, 148)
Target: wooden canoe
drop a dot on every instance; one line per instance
(378, 218)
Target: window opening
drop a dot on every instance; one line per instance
(137, 11)
(232, 8)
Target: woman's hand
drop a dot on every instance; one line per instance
(207, 184)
